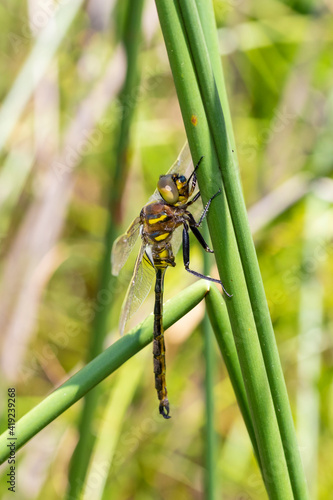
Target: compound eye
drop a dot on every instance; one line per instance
(168, 189)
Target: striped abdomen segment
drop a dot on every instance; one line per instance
(158, 345)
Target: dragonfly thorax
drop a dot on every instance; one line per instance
(159, 221)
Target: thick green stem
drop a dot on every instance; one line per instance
(219, 319)
(236, 204)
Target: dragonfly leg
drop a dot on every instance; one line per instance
(194, 180)
(197, 165)
(200, 238)
(194, 199)
(204, 213)
(186, 259)
(196, 232)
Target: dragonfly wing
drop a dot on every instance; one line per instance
(183, 164)
(177, 239)
(140, 285)
(123, 245)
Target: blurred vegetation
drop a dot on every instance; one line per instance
(54, 197)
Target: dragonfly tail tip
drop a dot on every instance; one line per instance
(165, 409)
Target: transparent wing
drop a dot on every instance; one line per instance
(123, 245)
(139, 287)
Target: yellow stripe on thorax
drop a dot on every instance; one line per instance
(161, 237)
(159, 219)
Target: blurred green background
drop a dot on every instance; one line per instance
(62, 74)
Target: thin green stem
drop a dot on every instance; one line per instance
(233, 190)
(210, 436)
(210, 447)
(207, 18)
(99, 368)
(127, 99)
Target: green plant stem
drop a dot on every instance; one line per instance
(210, 436)
(99, 368)
(112, 422)
(219, 319)
(209, 430)
(311, 334)
(127, 99)
(233, 190)
(208, 25)
(207, 18)
(262, 411)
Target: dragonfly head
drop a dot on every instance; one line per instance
(173, 188)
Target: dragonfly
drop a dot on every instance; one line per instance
(163, 224)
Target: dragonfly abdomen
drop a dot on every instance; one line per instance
(159, 346)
